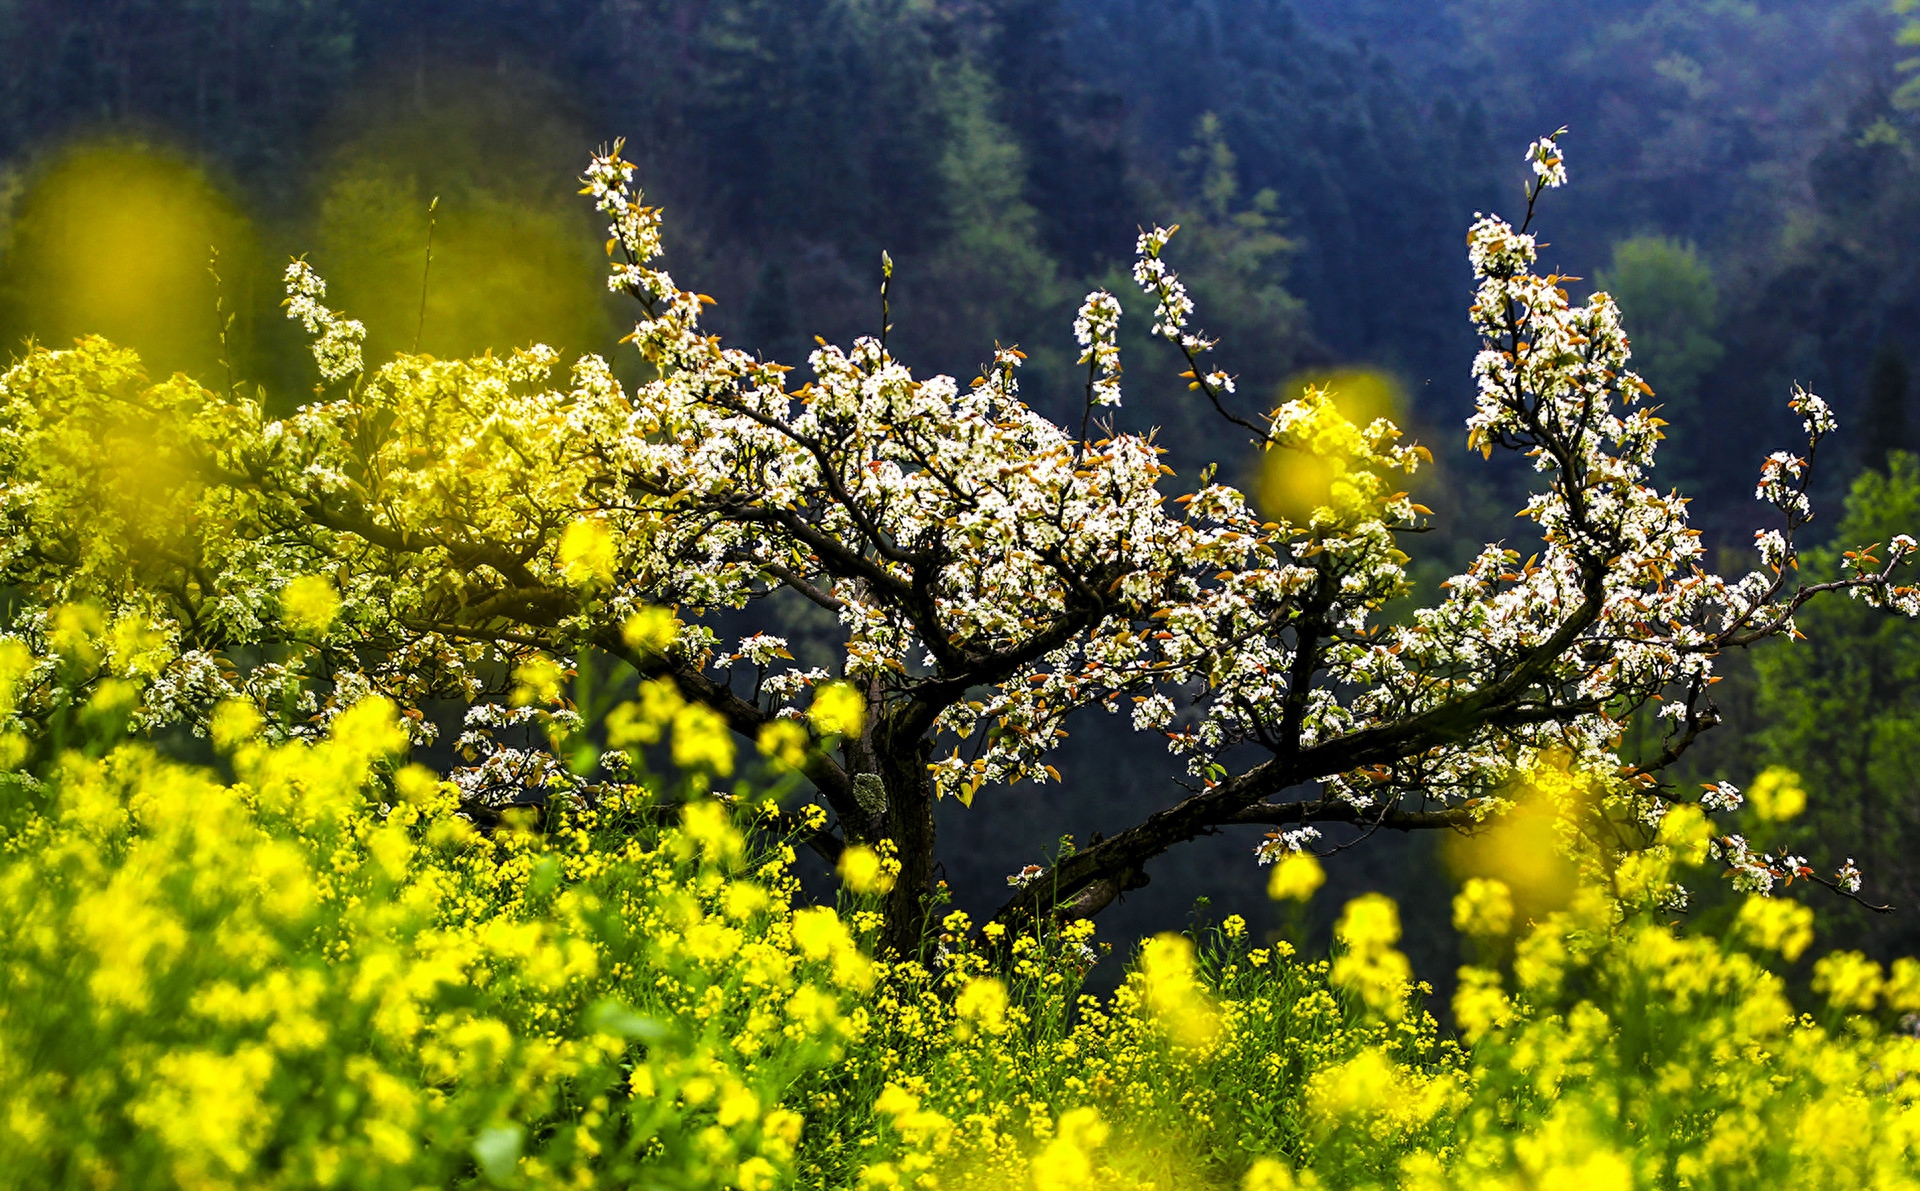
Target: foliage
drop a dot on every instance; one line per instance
(1668, 294)
(807, 137)
(1837, 286)
(796, 140)
(800, 139)
(1763, 133)
(478, 185)
(1637, 1056)
(1909, 35)
(992, 252)
(1370, 177)
(320, 963)
(1235, 258)
(1839, 707)
(1693, 116)
(67, 274)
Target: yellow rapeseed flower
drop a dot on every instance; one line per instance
(645, 721)
(1850, 980)
(1269, 1174)
(1179, 1006)
(537, 680)
(16, 662)
(651, 630)
(1903, 986)
(1370, 966)
(982, 1003)
(784, 742)
(235, 722)
(1067, 1161)
(701, 740)
(705, 826)
(1478, 1004)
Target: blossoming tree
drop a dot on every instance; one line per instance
(428, 527)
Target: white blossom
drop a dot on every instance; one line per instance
(759, 649)
(1284, 842)
(1721, 796)
(1096, 329)
(336, 338)
(1548, 164)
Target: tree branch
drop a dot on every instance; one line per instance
(1334, 810)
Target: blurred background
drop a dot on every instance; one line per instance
(1745, 182)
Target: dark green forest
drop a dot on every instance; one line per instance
(1749, 190)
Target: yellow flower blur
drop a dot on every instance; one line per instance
(1370, 967)
(784, 742)
(310, 605)
(1297, 876)
(1483, 907)
(650, 630)
(701, 740)
(866, 871)
(1777, 794)
(838, 709)
(588, 553)
(1777, 924)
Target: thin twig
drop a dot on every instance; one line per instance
(426, 271)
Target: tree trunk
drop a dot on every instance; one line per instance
(909, 824)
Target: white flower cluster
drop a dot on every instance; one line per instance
(1816, 417)
(1096, 329)
(1549, 165)
(1750, 870)
(1161, 283)
(1615, 612)
(1282, 843)
(1758, 872)
(1721, 796)
(336, 338)
(757, 649)
(1783, 484)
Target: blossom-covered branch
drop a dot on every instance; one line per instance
(1426, 723)
(479, 530)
